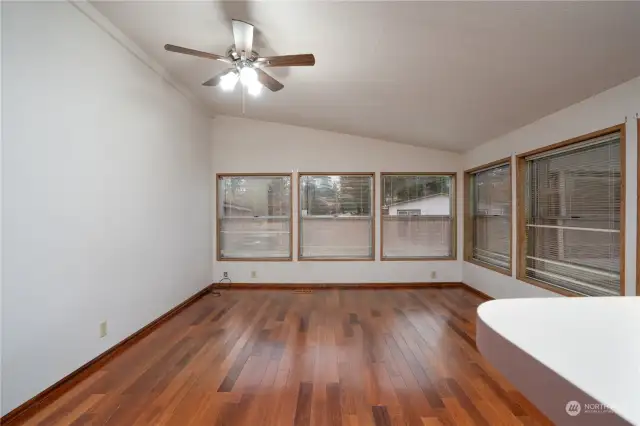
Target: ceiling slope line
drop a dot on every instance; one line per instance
(337, 132)
(123, 40)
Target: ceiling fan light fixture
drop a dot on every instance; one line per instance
(248, 76)
(255, 88)
(228, 81)
(246, 64)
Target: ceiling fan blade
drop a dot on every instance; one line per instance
(243, 37)
(304, 60)
(268, 81)
(198, 53)
(216, 80)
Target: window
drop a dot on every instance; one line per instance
(572, 219)
(336, 216)
(488, 216)
(254, 217)
(418, 216)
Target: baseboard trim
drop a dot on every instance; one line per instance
(477, 292)
(47, 396)
(328, 286)
(352, 286)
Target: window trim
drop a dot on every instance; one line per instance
(300, 258)
(638, 205)
(520, 202)
(454, 218)
(219, 219)
(468, 216)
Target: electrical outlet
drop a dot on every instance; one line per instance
(225, 275)
(254, 274)
(433, 275)
(103, 329)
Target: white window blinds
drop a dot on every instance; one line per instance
(572, 211)
(336, 216)
(254, 217)
(417, 216)
(491, 216)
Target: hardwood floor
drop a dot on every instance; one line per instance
(330, 357)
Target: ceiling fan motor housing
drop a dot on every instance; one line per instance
(234, 55)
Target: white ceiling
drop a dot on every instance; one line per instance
(448, 75)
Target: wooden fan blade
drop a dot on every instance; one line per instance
(216, 80)
(243, 37)
(198, 53)
(304, 60)
(268, 81)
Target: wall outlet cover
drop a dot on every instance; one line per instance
(103, 329)
(254, 274)
(433, 274)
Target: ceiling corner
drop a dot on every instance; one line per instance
(86, 8)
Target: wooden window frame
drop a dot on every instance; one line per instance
(520, 202)
(468, 216)
(454, 224)
(219, 219)
(372, 258)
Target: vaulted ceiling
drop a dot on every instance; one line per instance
(448, 75)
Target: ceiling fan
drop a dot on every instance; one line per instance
(246, 64)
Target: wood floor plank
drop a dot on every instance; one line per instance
(326, 358)
(466, 403)
(303, 406)
(381, 415)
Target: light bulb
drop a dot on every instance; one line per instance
(255, 88)
(248, 75)
(228, 81)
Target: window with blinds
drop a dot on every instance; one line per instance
(336, 216)
(417, 216)
(573, 201)
(254, 217)
(490, 216)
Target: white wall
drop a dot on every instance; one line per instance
(248, 146)
(599, 112)
(106, 195)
